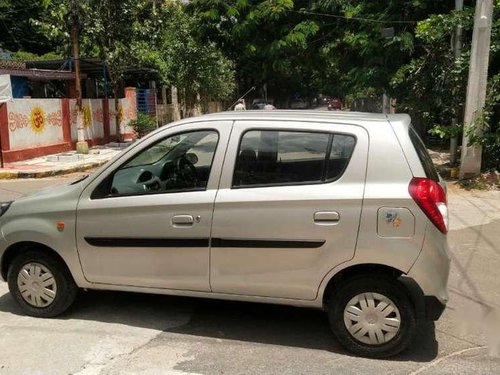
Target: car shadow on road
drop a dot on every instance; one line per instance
(246, 322)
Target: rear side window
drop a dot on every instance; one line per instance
(423, 155)
(271, 157)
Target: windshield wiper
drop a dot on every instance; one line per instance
(79, 180)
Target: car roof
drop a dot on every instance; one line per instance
(365, 119)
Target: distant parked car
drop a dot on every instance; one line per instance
(258, 105)
(335, 104)
(263, 105)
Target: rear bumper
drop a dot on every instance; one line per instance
(433, 308)
(430, 274)
(431, 269)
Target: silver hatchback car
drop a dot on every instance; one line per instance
(337, 211)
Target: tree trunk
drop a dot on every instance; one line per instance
(119, 137)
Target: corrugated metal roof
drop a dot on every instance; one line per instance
(41, 74)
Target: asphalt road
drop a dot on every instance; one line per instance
(126, 333)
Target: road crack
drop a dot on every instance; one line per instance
(101, 365)
(439, 360)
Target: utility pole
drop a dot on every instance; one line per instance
(386, 103)
(457, 49)
(82, 146)
(476, 87)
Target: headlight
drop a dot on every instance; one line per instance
(4, 207)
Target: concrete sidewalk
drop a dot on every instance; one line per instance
(62, 163)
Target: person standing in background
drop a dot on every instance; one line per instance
(240, 106)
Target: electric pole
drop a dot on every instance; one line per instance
(457, 47)
(476, 87)
(82, 146)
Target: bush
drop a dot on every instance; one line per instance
(143, 124)
(491, 152)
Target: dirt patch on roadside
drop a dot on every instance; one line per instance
(486, 181)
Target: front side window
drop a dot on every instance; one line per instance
(271, 157)
(180, 162)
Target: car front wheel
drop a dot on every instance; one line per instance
(372, 316)
(40, 284)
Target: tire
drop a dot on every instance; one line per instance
(362, 294)
(53, 282)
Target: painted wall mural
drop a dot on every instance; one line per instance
(34, 123)
(41, 126)
(127, 110)
(93, 118)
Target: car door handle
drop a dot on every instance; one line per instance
(326, 217)
(182, 220)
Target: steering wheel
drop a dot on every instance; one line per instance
(177, 175)
(151, 182)
(185, 172)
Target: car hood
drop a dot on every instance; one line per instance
(52, 191)
(63, 198)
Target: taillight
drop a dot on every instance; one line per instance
(431, 198)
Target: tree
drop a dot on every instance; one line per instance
(108, 26)
(432, 86)
(19, 29)
(266, 39)
(105, 30)
(144, 34)
(168, 42)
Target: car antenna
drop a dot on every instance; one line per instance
(245, 94)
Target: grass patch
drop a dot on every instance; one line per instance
(485, 181)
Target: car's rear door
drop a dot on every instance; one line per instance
(288, 207)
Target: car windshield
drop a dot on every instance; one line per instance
(162, 150)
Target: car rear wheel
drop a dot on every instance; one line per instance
(40, 284)
(372, 316)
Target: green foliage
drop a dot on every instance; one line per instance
(143, 124)
(489, 120)
(143, 34)
(292, 47)
(182, 59)
(268, 40)
(366, 61)
(473, 184)
(19, 29)
(28, 56)
(446, 131)
(432, 85)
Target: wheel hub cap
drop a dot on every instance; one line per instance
(372, 318)
(37, 284)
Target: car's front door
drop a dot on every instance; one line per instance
(288, 207)
(146, 220)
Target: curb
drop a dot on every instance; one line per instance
(9, 175)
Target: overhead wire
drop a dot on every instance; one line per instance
(362, 19)
(17, 10)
